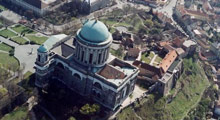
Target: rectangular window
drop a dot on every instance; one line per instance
(90, 58)
(99, 60)
(82, 56)
(39, 58)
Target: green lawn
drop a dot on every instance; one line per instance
(5, 47)
(19, 113)
(108, 22)
(19, 40)
(23, 29)
(147, 58)
(36, 39)
(158, 59)
(118, 53)
(6, 60)
(7, 33)
(128, 113)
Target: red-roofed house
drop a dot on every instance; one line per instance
(168, 60)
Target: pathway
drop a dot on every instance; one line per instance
(153, 59)
(7, 41)
(168, 11)
(18, 34)
(22, 53)
(137, 93)
(137, 115)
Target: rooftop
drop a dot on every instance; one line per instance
(40, 3)
(165, 77)
(110, 72)
(168, 60)
(174, 64)
(117, 72)
(148, 70)
(133, 52)
(180, 51)
(216, 45)
(94, 31)
(189, 43)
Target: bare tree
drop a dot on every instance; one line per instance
(20, 71)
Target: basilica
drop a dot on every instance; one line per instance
(86, 66)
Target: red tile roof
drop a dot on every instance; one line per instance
(148, 70)
(110, 72)
(168, 60)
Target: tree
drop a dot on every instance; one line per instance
(149, 23)
(90, 109)
(72, 118)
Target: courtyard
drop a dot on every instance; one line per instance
(151, 58)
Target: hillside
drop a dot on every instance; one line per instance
(182, 99)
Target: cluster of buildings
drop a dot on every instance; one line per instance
(90, 6)
(201, 22)
(163, 76)
(171, 45)
(85, 65)
(42, 7)
(198, 17)
(151, 3)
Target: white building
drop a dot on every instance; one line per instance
(39, 7)
(85, 65)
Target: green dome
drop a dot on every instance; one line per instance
(94, 31)
(42, 49)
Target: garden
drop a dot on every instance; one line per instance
(23, 35)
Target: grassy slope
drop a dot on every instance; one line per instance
(5, 60)
(193, 85)
(190, 95)
(18, 114)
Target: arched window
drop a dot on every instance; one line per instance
(60, 65)
(97, 85)
(77, 76)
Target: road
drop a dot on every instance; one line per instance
(168, 11)
(6, 41)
